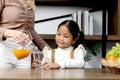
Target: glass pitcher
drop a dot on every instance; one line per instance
(23, 50)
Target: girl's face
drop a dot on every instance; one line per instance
(63, 37)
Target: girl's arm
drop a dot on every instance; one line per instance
(77, 62)
(50, 65)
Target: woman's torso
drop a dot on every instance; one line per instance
(16, 15)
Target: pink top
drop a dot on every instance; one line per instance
(14, 14)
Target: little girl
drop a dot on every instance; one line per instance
(70, 52)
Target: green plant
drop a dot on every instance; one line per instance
(92, 49)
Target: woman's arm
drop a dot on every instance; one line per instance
(38, 40)
(2, 2)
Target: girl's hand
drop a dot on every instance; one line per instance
(18, 36)
(50, 65)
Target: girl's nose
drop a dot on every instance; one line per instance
(61, 37)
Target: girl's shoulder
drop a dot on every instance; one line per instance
(80, 48)
(46, 49)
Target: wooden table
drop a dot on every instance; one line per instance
(61, 74)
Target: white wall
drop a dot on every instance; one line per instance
(44, 12)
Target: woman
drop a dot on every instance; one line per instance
(16, 27)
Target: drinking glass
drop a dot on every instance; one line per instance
(37, 57)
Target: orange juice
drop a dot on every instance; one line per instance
(21, 53)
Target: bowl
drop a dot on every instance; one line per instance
(114, 67)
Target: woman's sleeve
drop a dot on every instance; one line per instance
(78, 61)
(2, 4)
(38, 40)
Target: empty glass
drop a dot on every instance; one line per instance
(37, 57)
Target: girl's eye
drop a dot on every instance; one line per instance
(58, 33)
(66, 36)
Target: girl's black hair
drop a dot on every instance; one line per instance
(75, 31)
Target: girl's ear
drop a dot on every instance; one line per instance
(74, 40)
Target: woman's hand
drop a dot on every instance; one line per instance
(18, 36)
(50, 65)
